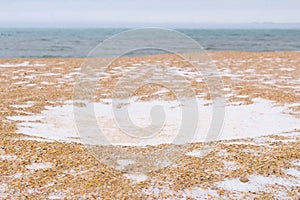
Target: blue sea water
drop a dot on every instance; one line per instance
(31, 43)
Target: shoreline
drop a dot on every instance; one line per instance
(166, 54)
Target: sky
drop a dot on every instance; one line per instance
(111, 13)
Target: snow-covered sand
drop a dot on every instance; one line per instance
(58, 123)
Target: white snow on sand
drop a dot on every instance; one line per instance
(27, 105)
(257, 183)
(231, 165)
(57, 123)
(296, 162)
(3, 190)
(287, 69)
(58, 195)
(293, 172)
(8, 157)
(29, 118)
(195, 193)
(123, 163)
(198, 153)
(37, 166)
(199, 193)
(24, 64)
(136, 177)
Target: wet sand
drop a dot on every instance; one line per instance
(264, 167)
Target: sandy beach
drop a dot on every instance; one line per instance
(257, 156)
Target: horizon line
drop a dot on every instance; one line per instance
(192, 25)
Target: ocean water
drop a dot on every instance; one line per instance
(31, 43)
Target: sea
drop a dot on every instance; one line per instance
(55, 42)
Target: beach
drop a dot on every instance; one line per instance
(256, 156)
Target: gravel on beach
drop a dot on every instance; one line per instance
(266, 167)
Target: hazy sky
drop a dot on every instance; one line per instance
(154, 12)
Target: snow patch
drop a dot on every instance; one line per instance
(256, 183)
(8, 157)
(293, 172)
(136, 177)
(24, 64)
(123, 163)
(37, 166)
(245, 121)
